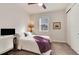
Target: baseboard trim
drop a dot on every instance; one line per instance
(58, 42)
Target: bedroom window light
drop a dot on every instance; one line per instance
(43, 24)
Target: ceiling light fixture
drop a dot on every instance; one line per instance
(40, 4)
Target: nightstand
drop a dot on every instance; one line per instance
(15, 43)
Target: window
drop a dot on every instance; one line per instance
(43, 24)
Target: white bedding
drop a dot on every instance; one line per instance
(28, 43)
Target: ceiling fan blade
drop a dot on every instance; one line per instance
(44, 6)
(36, 3)
(31, 3)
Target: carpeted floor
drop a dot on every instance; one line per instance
(63, 49)
(57, 48)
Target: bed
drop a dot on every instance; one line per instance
(35, 43)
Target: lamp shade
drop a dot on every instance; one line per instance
(31, 24)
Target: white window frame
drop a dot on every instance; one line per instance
(40, 21)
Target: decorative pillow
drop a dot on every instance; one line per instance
(28, 33)
(21, 35)
(25, 34)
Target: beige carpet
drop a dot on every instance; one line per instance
(57, 48)
(63, 49)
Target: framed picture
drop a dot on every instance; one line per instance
(57, 25)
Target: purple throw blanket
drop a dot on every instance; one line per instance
(43, 43)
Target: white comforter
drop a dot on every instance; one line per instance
(28, 43)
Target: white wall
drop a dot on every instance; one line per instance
(55, 35)
(73, 28)
(12, 16)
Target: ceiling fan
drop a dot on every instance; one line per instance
(39, 4)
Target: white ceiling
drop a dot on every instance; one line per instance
(34, 9)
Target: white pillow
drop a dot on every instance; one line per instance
(21, 35)
(28, 33)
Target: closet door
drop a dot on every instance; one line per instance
(74, 27)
